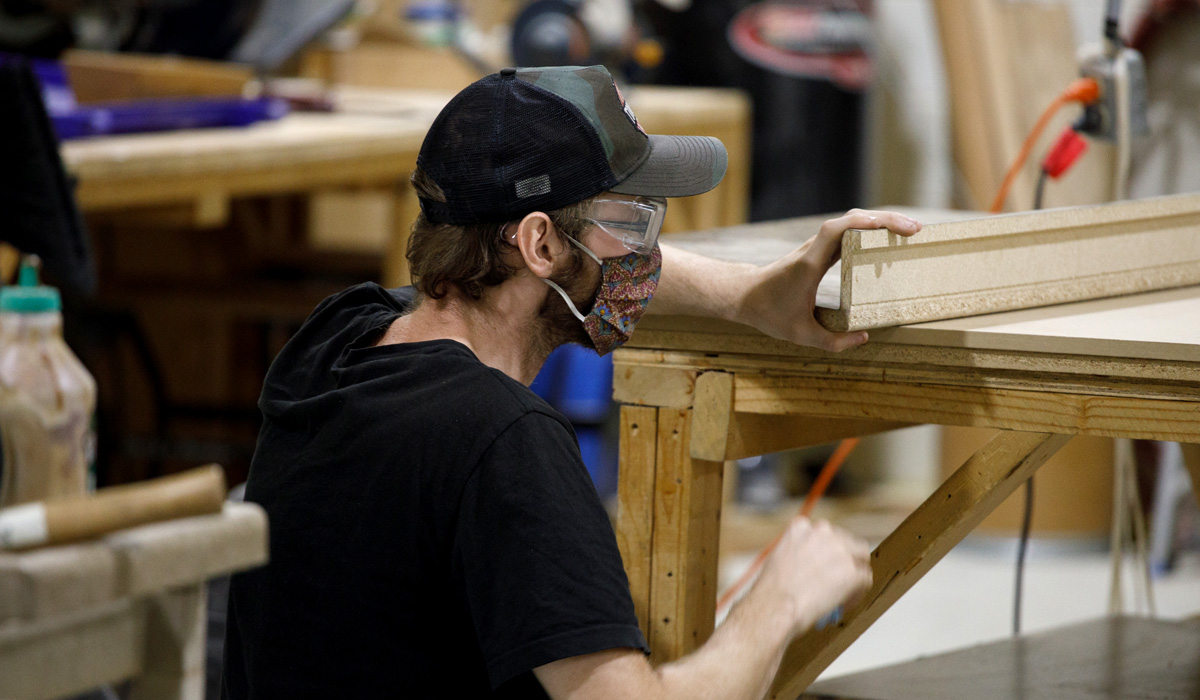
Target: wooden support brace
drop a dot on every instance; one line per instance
(712, 415)
(687, 515)
(651, 385)
(940, 523)
(635, 503)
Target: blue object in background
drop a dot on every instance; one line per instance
(137, 116)
(578, 383)
(546, 383)
(600, 458)
(585, 387)
(72, 121)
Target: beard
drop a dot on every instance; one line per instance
(555, 325)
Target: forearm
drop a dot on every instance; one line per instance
(740, 659)
(693, 285)
(813, 569)
(743, 655)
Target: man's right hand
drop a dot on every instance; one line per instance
(814, 569)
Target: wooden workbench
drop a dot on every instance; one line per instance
(370, 143)
(699, 392)
(129, 606)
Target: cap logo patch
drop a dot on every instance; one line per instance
(628, 110)
(533, 186)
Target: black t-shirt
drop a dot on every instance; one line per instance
(433, 530)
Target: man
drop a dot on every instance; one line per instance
(433, 530)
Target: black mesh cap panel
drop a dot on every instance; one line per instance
(542, 139)
(503, 148)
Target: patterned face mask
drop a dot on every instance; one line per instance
(626, 285)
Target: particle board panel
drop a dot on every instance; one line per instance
(1163, 325)
(1017, 261)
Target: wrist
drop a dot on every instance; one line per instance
(778, 613)
(744, 303)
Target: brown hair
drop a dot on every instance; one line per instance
(471, 257)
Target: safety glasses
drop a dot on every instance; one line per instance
(634, 222)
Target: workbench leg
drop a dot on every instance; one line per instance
(933, 529)
(1191, 460)
(635, 502)
(687, 521)
(405, 207)
(175, 646)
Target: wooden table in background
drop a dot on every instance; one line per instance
(128, 606)
(370, 145)
(699, 392)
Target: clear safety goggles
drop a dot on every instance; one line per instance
(634, 222)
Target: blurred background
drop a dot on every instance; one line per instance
(233, 162)
(209, 250)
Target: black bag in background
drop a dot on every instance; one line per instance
(38, 213)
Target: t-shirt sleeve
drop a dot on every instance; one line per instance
(536, 557)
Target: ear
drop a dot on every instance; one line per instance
(539, 243)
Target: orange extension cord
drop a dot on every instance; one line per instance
(1084, 91)
(844, 448)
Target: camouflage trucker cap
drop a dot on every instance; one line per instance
(539, 139)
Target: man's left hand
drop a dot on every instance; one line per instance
(782, 297)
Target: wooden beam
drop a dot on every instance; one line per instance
(653, 385)
(687, 514)
(635, 503)
(985, 407)
(712, 415)
(954, 509)
(1016, 261)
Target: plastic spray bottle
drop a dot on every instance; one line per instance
(47, 397)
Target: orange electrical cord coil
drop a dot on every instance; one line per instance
(1084, 91)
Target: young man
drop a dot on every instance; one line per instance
(434, 532)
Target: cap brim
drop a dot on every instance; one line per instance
(678, 166)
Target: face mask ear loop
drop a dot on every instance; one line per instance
(570, 304)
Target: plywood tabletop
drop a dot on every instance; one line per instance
(1163, 325)
(294, 140)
